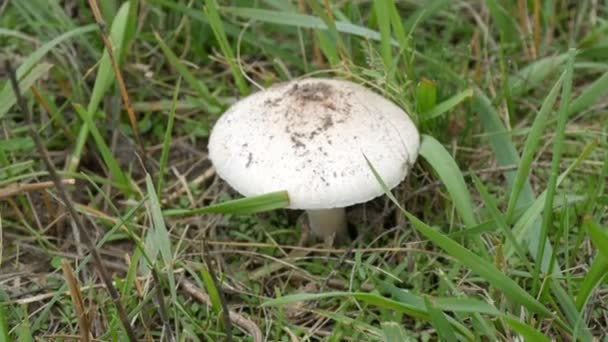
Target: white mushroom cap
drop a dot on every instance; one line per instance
(309, 137)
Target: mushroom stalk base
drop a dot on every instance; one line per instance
(328, 224)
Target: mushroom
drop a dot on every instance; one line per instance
(311, 137)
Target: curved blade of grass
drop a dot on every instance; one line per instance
(418, 310)
(427, 9)
(449, 173)
(8, 99)
(198, 86)
(381, 9)
(215, 21)
(446, 105)
(597, 273)
(104, 150)
(558, 146)
(599, 236)
(4, 333)
(596, 91)
(36, 57)
(242, 206)
(528, 219)
(264, 43)
(504, 20)
(530, 146)
(501, 144)
(164, 157)
(438, 320)
(526, 331)
(105, 78)
(393, 332)
(475, 263)
(534, 74)
(498, 218)
(302, 21)
(158, 241)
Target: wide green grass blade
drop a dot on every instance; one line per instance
(530, 146)
(157, 241)
(597, 274)
(449, 173)
(212, 291)
(381, 9)
(558, 146)
(504, 20)
(8, 99)
(446, 105)
(476, 264)
(596, 91)
(302, 21)
(393, 332)
(4, 332)
(426, 97)
(104, 80)
(533, 75)
(502, 146)
(527, 332)
(242, 206)
(215, 21)
(599, 237)
(32, 60)
(529, 219)
(439, 322)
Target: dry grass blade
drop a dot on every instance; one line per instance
(121, 83)
(19, 188)
(238, 319)
(65, 197)
(83, 321)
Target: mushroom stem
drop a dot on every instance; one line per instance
(328, 224)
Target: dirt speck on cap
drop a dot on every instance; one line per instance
(311, 92)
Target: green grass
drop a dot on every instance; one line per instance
(499, 231)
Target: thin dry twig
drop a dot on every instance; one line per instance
(119, 79)
(238, 319)
(83, 321)
(67, 201)
(20, 188)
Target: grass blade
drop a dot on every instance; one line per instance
(242, 206)
(439, 322)
(213, 16)
(198, 86)
(104, 80)
(498, 218)
(302, 21)
(393, 332)
(381, 9)
(446, 105)
(530, 146)
(449, 173)
(112, 164)
(164, 157)
(36, 57)
(555, 164)
(598, 272)
(593, 93)
(8, 99)
(158, 241)
(475, 263)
